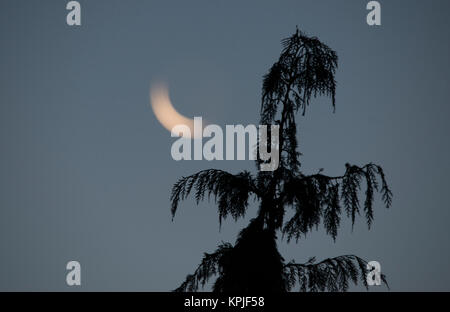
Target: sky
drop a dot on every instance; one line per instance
(86, 170)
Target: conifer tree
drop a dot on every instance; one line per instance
(305, 70)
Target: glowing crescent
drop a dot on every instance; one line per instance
(165, 112)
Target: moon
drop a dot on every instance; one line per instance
(164, 111)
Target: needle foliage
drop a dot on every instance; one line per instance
(305, 70)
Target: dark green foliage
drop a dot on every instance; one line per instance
(207, 268)
(305, 69)
(230, 191)
(333, 274)
(318, 196)
(239, 267)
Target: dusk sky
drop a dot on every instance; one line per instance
(86, 169)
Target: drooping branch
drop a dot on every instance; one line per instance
(305, 69)
(332, 274)
(207, 268)
(232, 192)
(318, 197)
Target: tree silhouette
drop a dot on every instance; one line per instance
(306, 69)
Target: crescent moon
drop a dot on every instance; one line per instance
(164, 111)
